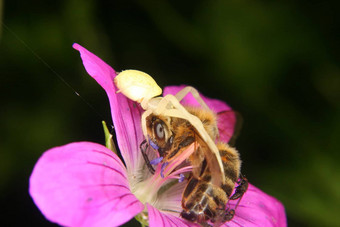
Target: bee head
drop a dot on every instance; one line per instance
(159, 133)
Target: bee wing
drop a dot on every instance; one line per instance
(229, 124)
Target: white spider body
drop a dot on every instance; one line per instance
(141, 87)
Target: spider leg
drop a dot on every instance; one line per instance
(145, 156)
(163, 105)
(143, 123)
(212, 154)
(182, 93)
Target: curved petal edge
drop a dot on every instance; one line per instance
(83, 184)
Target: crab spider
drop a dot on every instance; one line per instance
(139, 86)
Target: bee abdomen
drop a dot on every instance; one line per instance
(231, 162)
(201, 199)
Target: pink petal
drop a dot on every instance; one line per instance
(226, 118)
(160, 219)
(83, 184)
(258, 209)
(226, 123)
(255, 209)
(126, 115)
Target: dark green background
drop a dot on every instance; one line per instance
(277, 63)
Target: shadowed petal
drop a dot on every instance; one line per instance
(160, 219)
(83, 184)
(126, 115)
(226, 118)
(258, 209)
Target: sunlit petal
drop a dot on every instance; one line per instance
(258, 209)
(83, 184)
(126, 114)
(161, 219)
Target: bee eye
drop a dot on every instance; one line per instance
(159, 130)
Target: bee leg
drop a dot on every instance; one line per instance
(229, 214)
(145, 156)
(239, 192)
(241, 188)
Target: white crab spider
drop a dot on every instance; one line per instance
(139, 86)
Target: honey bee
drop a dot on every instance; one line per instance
(202, 201)
(139, 86)
(170, 128)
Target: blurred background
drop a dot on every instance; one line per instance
(277, 63)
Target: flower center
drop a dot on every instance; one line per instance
(151, 189)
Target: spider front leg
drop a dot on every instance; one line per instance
(143, 123)
(182, 93)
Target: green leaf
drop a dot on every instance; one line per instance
(108, 138)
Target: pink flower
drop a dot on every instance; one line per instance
(86, 184)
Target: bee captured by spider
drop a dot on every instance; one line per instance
(171, 129)
(202, 201)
